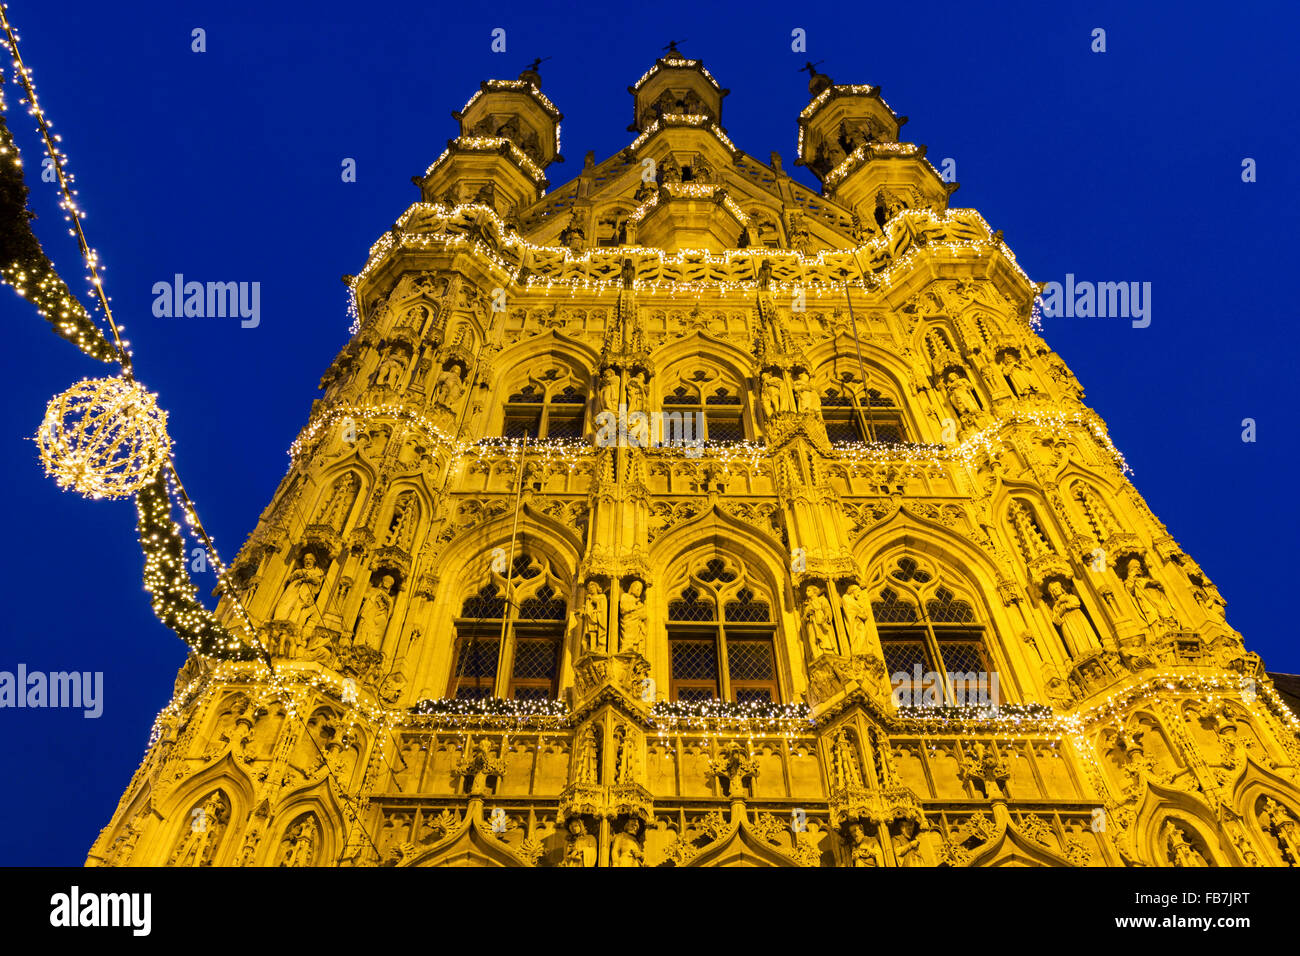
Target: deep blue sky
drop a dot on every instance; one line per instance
(225, 166)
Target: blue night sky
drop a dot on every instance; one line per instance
(225, 166)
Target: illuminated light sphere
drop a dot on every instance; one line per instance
(103, 437)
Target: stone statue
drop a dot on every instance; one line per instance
(907, 845)
(636, 393)
(595, 619)
(1067, 614)
(1017, 377)
(805, 394)
(448, 386)
(297, 604)
(626, 850)
(772, 394)
(1148, 596)
(302, 844)
(573, 236)
(581, 847)
(610, 391)
(391, 369)
(864, 851)
(632, 620)
(375, 611)
(857, 615)
(817, 618)
(320, 647)
(962, 396)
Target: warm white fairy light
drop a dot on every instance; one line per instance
(832, 92)
(491, 144)
(821, 271)
(689, 191)
(868, 151)
(675, 63)
(697, 120)
(119, 440)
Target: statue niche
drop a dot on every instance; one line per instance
(449, 385)
(201, 836)
(402, 525)
(300, 843)
(1072, 622)
(296, 609)
(393, 363)
(376, 609)
(338, 506)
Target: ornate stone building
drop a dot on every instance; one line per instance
(686, 516)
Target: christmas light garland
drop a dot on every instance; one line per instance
(25, 266)
(168, 582)
(115, 425)
(714, 716)
(481, 710)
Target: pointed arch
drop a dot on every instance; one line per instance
(543, 388)
(1271, 808)
(705, 349)
(479, 644)
(1010, 847)
(929, 589)
(320, 803)
(226, 777)
(863, 401)
(720, 594)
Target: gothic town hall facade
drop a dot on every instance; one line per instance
(685, 516)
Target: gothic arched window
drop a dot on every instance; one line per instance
(520, 637)
(714, 402)
(924, 623)
(720, 637)
(855, 414)
(551, 404)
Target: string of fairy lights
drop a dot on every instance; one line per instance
(106, 438)
(917, 458)
(824, 272)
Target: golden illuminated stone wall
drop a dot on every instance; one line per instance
(800, 477)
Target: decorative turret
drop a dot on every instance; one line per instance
(682, 152)
(848, 137)
(675, 86)
(509, 134)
